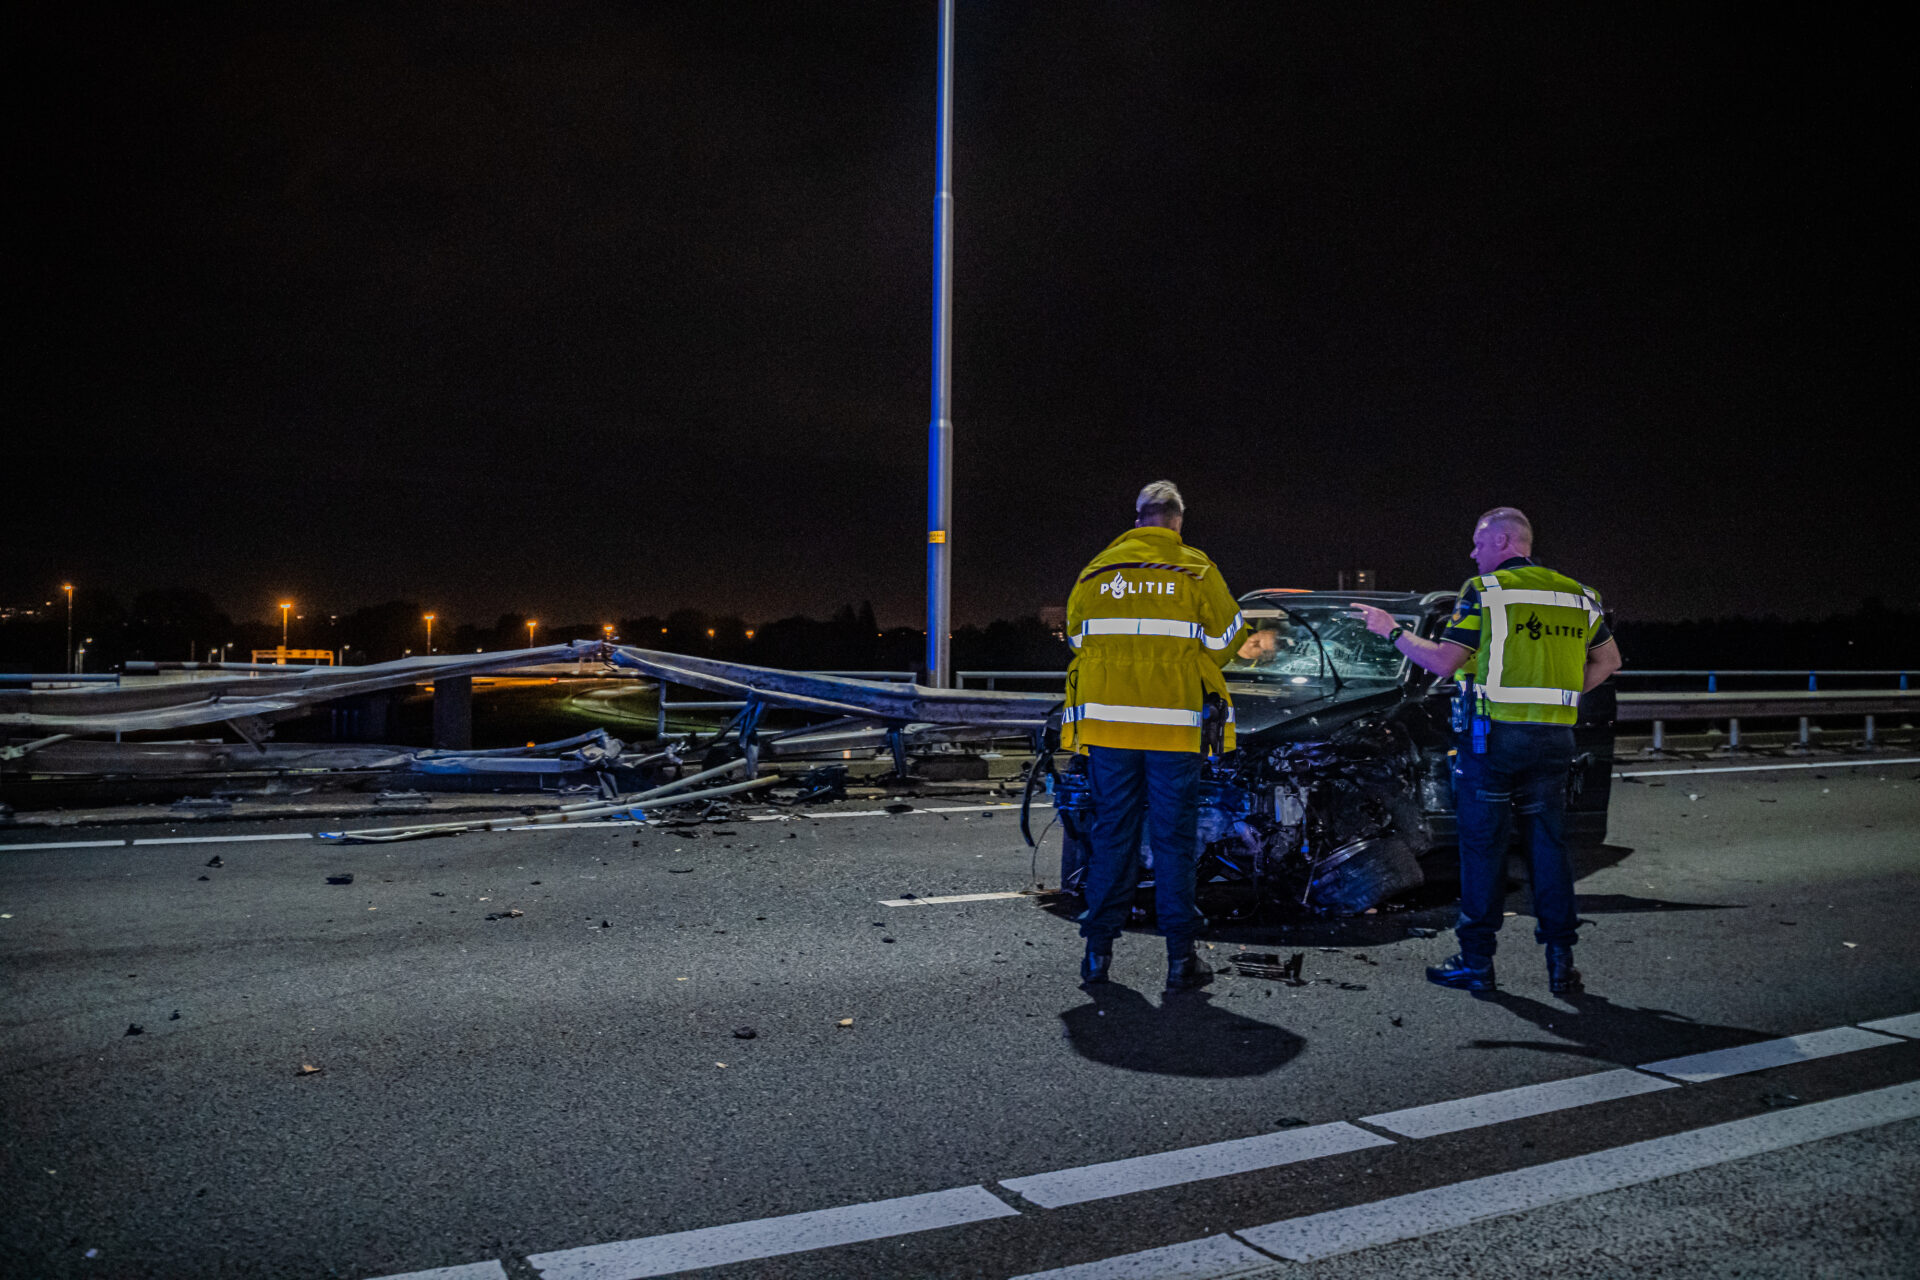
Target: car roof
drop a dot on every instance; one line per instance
(1402, 601)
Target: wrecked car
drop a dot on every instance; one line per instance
(1340, 794)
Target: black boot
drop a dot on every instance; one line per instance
(1562, 977)
(1094, 968)
(1465, 972)
(1186, 971)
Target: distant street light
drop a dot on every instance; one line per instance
(68, 655)
(606, 629)
(285, 605)
(429, 618)
(531, 624)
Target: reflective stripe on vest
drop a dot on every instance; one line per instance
(1494, 600)
(1172, 627)
(1118, 713)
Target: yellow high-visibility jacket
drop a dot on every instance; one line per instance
(1151, 623)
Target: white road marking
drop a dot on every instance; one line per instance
(952, 897)
(1423, 1213)
(1907, 1024)
(1760, 768)
(1191, 1164)
(771, 1237)
(1514, 1104)
(488, 1270)
(1214, 1258)
(1740, 1059)
(297, 835)
(64, 844)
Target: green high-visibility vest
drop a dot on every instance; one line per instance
(1534, 629)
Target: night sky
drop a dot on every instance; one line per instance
(598, 310)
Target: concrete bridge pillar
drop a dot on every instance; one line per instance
(453, 713)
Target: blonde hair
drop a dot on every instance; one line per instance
(1160, 499)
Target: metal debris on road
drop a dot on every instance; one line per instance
(307, 1069)
(1266, 964)
(134, 1029)
(1421, 931)
(509, 914)
(745, 1033)
(215, 861)
(1779, 1100)
(344, 878)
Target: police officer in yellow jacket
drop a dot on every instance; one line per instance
(1152, 624)
(1534, 641)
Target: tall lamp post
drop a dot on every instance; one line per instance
(68, 588)
(940, 434)
(531, 624)
(429, 618)
(285, 605)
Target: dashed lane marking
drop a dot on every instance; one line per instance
(1907, 1024)
(1422, 1213)
(951, 897)
(1761, 768)
(128, 842)
(1718, 1063)
(1515, 1104)
(488, 1270)
(771, 1237)
(1214, 1258)
(1191, 1164)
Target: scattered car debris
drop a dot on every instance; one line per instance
(1421, 931)
(1266, 964)
(1395, 1020)
(844, 1022)
(192, 805)
(1779, 1100)
(206, 877)
(134, 1029)
(216, 861)
(175, 1016)
(1351, 986)
(402, 797)
(1289, 1122)
(899, 806)
(511, 913)
(345, 877)
(678, 871)
(606, 924)
(745, 1033)
(886, 939)
(307, 1069)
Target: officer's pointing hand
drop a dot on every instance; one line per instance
(1378, 621)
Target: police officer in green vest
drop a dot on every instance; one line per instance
(1535, 641)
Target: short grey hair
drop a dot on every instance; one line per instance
(1160, 499)
(1511, 521)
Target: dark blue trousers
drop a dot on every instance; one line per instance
(1523, 769)
(1163, 788)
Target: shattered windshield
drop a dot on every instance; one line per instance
(1285, 647)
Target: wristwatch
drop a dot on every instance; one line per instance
(1393, 636)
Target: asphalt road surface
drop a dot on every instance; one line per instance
(721, 1049)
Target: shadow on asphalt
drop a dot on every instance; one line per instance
(1596, 1027)
(1185, 1035)
(1234, 918)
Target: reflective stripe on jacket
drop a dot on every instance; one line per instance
(1151, 624)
